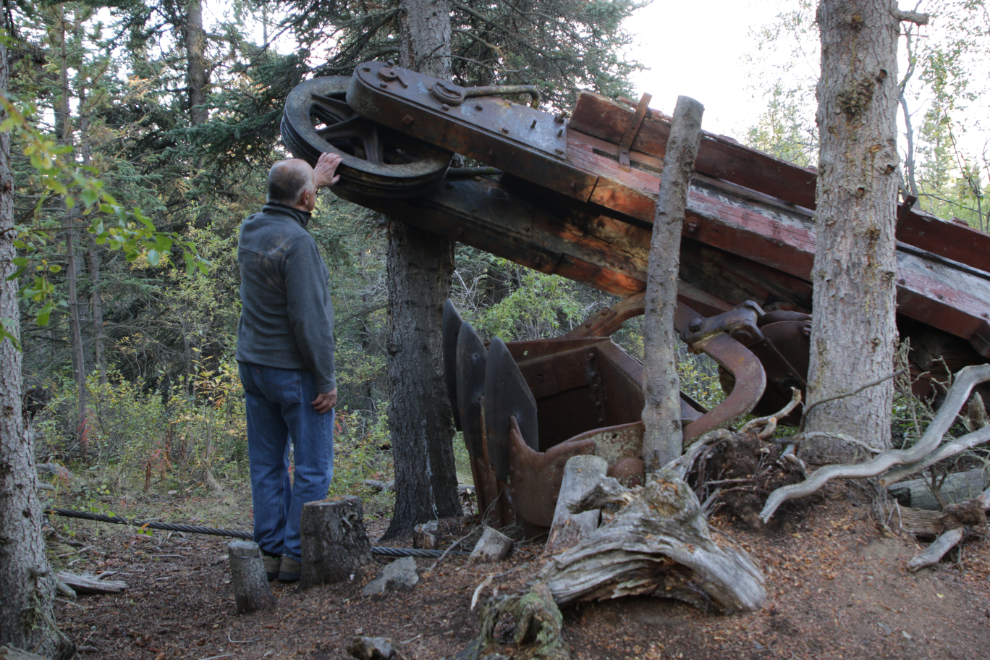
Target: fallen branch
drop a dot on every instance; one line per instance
(965, 381)
(682, 465)
(769, 423)
(933, 553)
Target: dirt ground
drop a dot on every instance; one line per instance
(837, 583)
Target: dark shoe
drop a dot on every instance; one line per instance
(289, 570)
(272, 565)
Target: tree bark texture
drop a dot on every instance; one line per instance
(853, 333)
(568, 529)
(252, 592)
(420, 265)
(662, 439)
(27, 583)
(335, 546)
(196, 62)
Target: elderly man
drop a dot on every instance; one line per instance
(285, 357)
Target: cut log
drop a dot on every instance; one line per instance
(91, 584)
(492, 546)
(530, 624)
(658, 543)
(335, 546)
(957, 487)
(581, 473)
(247, 575)
(933, 553)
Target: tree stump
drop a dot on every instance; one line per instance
(492, 546)
(659, 543)
(580, 474)
(335, 546)
(247, 575)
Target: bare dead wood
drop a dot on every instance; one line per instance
(933, 553)
(767, 425)
(580, 474)
(948, 450)
(492, 546)
(958, 394)
(535, 630)
(658, 543)
(91, 584)
(662, 439)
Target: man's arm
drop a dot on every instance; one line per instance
(324, 174)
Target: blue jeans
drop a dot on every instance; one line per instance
(278, 410)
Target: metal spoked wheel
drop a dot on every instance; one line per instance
(376, 160)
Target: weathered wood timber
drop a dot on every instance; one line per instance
(91, 584)
(580, 474)
(247, 576)
(956, 487)
(335, 546)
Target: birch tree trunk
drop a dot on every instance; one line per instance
(420, 265)
(663, 439)
(27, 583)
(853, 333)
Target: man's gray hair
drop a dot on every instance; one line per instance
(287, 179)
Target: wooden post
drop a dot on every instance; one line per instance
(335, 546)
(662, 441)
(247, 575)
(580, 474)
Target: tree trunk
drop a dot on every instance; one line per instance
(662, 439)
(92, 253)
(420, 265)
(196, 62)
(853, 334)
(64, 122)
(26, 580)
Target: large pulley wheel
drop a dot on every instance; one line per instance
(376, 160)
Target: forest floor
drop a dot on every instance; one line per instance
(836, 580)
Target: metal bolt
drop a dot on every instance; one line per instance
(383, 85)
(445, 106)
(591, 355)
(559, 119)
(604, 312)
(598, 404)
(479, 107)
(491, 153)
(691, 226)
(366, 69)
(505, 130)
(601, 420)
(533, 125)
(560, 132)
(573, 186)
(559, 152)
(408, 120)
(695, 325)
(902, 281)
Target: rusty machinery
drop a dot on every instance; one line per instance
(575, 197)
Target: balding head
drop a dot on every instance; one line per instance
(288, 179)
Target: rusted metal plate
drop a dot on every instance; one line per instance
(450, 327)
(515, 138)
(469, 386)
(507, 398)
(535, 477)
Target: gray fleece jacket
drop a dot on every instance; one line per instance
(286, 313)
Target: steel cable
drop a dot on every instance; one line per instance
(237, 534)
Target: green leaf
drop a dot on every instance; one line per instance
(54, 268)
(43, 315)
(153, 257)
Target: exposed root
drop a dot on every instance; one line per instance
(965, 381)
